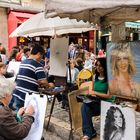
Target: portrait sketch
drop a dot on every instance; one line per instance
(39, 104)
(123, 62)
(117, 123)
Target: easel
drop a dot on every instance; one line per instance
(133, 102)
(50, 92)
(70, 118)
(70, 89)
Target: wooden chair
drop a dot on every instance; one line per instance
(75, 111)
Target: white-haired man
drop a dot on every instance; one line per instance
(12, 127)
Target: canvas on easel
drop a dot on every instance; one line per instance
(58, 56)
(117, 122)
(39, 102)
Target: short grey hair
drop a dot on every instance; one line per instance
(6, 86)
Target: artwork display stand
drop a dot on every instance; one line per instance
(127, 102)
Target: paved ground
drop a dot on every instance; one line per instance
(50, 135)
(58, 112)
(63, 115)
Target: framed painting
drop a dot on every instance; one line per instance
(123, 66)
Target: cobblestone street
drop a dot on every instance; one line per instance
(50, 135)
(63, 115)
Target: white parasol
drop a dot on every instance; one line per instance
(38, 25)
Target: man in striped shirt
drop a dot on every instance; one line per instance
(30, 76)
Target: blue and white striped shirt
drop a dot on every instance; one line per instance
(30, 71)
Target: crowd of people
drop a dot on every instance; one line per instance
(17, 125)
(33, 73)
(30, 76)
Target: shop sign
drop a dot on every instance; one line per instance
(132, 24)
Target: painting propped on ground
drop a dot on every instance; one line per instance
(117, 123)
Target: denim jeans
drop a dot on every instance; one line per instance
(87, 112)
(16, 102)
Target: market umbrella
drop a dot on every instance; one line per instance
(57, 32)
(97, 11)
(39, 25)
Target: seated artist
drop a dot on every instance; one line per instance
(100, 89)
(12, 126)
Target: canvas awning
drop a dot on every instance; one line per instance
(97, 11)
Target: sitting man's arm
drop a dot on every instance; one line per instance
(44, 83)
(12, 129)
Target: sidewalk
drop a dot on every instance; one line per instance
(47, 135)
(60, 124)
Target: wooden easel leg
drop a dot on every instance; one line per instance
(71, 129)
(71, 135)
(51, 110)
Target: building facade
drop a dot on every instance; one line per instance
(12, 14)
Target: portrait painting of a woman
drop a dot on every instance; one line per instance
(123, 68)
